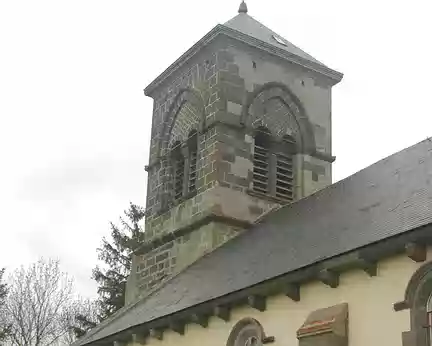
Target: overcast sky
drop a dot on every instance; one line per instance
(74, 128)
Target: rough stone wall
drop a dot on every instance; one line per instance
(176, 254)
(225, 92)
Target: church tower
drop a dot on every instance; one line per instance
(241, 126)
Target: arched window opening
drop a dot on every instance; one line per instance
(418, 298)
(246, 332)
(178, 166)
(193, 156)
(273, 166)
(261, 161)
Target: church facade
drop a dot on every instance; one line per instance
(247, 241)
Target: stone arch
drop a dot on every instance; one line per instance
(186, 113)
(291, 119)
(246, 328)
(417, 295)
(414, 284)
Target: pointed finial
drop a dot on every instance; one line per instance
(243, 8)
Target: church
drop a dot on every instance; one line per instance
(247, 241)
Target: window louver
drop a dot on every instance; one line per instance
(178, 178)
(261, 169)
(284, 177)
(192, 171)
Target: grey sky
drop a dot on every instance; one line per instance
(75, 124)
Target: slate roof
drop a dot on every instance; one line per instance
(246, 24)
(389, 198)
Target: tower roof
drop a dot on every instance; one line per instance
(248, 30)
(248, 25)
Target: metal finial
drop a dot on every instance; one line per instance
(243, 8)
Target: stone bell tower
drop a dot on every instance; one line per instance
(241, 125)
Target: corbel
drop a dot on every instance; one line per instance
(223, 312)
(329, 278)
(139, 339)
(369, 267)
(200, 319)
(415, 251)
(292, 290)
(177, 326)
(257, 302)
(156, 333)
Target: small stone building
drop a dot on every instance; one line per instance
(247, 241)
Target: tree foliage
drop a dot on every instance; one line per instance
(37, 304)
(3, 322)
(115, 254)
(111, 276)
(83, 315)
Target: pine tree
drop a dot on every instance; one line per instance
(83, 316)
(115, 254)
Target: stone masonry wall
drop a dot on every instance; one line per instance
(170, 258)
